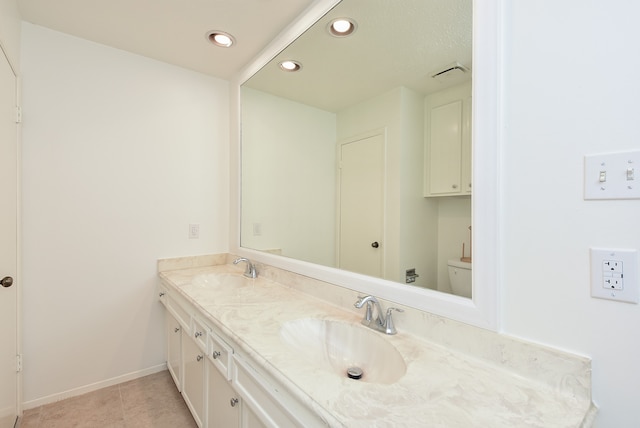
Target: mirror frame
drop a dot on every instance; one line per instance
(483, 309)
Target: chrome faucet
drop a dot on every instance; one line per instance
(382, 322)
(250, 271)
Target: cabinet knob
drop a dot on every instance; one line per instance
(216, 354)
(162, 293)
(454, 186)
(177, 329)
(233, 402)
(199, 358)
(375, 244)
(198, 334)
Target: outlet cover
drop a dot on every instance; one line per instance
(194, 231)
(614, 275)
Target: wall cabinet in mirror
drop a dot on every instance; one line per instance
(448, 142)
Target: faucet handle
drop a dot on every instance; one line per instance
(389, 327)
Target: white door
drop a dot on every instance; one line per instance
(8, 245)
(361, 206)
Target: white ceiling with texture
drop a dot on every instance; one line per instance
(397, 43)
(173, 31)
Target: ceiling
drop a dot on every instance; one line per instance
(397, 43)
(172, 31)
(427, 36)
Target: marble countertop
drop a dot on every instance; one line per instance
(441, 387)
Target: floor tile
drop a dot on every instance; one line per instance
(152, 401)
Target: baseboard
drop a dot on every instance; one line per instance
(92, 387)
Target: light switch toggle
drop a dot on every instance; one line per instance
(603, 176)
(630, 174)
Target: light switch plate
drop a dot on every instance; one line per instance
(612, 176)
(194, 231)
(614, 275)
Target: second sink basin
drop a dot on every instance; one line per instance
(338, 346)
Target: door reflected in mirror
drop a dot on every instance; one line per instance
(361, 160)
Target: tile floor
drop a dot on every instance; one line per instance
(147, 402)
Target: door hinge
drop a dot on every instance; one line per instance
(18, 114)
(18, 363)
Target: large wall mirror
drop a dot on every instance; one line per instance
(356, 167)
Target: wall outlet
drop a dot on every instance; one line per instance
(614, 275)
(194, 231)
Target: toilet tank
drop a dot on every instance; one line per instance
(460, 277)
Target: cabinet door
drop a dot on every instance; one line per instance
(445, 152)
(193, 382)
(250, 419)
(223, 410)
(174, 348)
(448, 142)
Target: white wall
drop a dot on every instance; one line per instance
(418, 229)
(120, 154)
(10, 31)
(570, 88)
(288, 177)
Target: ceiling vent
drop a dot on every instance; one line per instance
(452, 72)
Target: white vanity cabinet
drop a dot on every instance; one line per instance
(193, 357)
(266, 402)
(194, 351)
(174, 324)
(222, 388)
(223, 402)
(447, 151)
(174, 348)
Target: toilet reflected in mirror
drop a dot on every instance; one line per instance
(460, 277)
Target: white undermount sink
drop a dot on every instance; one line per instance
(339, 346)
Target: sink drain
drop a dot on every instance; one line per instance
(354, 372)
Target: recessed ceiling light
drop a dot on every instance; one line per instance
(220, 38)
(290, 65)
(342, 27)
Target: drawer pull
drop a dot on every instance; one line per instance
(162, 293)
(198, 334)
(177, 329)
(216, 355)
(233, 402)
(199, 358)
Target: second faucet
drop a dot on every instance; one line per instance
(383, 323)
(250, 271)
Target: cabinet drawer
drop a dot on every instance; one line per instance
(220, 354)
(274, 407)
(181, 315)
(200, 331)
(163, 294)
